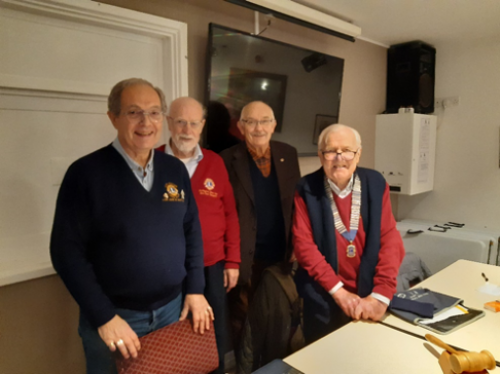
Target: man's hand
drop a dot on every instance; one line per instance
(118, 334)
(370, 308)
(200, 310)
(347, 301)
(230, 278)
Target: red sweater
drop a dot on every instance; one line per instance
(214, 196)
(390, 256)
(217, 210)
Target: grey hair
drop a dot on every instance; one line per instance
(333, 129)
(115, 96)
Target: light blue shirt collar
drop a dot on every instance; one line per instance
(144, 175)
(192, 162)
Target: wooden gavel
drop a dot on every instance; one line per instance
(460, 361)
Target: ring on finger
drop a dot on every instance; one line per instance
(119, 342)
(112, 344)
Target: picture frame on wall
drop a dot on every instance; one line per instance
(322, 121)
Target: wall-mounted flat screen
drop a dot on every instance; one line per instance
(302, 86)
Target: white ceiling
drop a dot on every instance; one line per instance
(432, 21)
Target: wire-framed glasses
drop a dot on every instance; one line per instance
(346, 155)
(250, 122)
(182, 123)
(135, 115)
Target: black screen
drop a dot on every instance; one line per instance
(302, 87)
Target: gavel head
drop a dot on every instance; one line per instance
(472, 361)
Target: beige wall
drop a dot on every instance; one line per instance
(38, 323)
(38, 319)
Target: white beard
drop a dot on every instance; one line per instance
(184, 144)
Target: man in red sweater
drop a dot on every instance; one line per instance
(217, 209)
(345, 238)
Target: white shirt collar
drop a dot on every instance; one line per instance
(346, 191)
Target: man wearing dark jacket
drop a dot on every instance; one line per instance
(263, 174)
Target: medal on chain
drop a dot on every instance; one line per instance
(355, 214)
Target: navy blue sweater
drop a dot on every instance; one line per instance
(116, 245)
(270, 241)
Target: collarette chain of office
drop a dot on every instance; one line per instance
(355, 214)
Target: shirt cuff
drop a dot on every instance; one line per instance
(231, 265)
(381, 298)
(335, 288)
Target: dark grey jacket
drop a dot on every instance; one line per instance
(286, 165)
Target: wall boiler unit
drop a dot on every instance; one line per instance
(405, 150)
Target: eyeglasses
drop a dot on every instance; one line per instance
(137, 115)
(253, 122)
(182, 123)
(344, 155)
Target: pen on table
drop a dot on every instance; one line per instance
(484, 276)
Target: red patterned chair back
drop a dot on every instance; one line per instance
(174, 349)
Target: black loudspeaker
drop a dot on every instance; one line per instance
(410, 77)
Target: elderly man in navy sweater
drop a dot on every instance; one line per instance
(126, 238)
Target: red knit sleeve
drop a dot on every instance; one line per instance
(306, 250)
(391, 251)
(232, 234)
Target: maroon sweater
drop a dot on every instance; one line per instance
(217, 211)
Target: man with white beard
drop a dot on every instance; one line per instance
(217, 209)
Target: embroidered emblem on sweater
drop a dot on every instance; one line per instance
(209, 184)
(172, 193)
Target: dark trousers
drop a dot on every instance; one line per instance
(216, 297)
(240, 297)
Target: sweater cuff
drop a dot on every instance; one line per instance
(195, 285)
(381, 298)
(337, 287)
(231, 265)
(99, 319)
(384, 291)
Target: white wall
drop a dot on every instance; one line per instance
(467, 180)
(55, 75)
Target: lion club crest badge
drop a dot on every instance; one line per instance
(172, 193)
(209, 184)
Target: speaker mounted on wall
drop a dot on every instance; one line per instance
(410, 77)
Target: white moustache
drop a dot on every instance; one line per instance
(185, 137)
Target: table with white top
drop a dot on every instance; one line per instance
(462, 280)
(365, 347)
